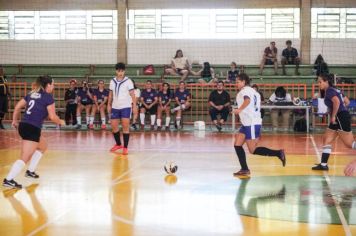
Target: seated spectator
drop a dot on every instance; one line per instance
(137, 95)
(290, 57)
(85, 101)
(100, 97)
(232, 73)
(4, 99)
(270, 58)
(164, 104)
(179, 66)
(182, 98)
(71, 103)
(149, 102)
(255, 87)
(280, 95)
(320, 66)
(206, 73)
(219, 101)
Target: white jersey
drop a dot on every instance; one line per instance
(251, 115)
(121, 93)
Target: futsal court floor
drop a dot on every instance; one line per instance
(86, 190)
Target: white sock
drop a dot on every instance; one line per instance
(142, 118)
(324, 164)
(178, 121)
(159, 122)
(88, 119)
(79, 120)
(354, 145)
(103, 121)
(168, 120)
(91, 120)
(153, 119)
(177, 108)
(36, 157)
(16, 169)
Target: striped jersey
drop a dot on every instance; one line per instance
(121, 92)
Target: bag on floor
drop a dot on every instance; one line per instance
(149, 70)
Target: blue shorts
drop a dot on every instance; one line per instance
(121, 113)
(251, 132)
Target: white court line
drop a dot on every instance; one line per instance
(337, 205)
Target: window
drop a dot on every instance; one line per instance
(24, 24)
(4, 25)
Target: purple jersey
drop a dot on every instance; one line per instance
(36, 109)
(84, 97)
(100, 95)
(149, 97)
(182, 96)
(329, 94)
(164, 97)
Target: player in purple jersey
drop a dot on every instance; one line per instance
(149, 102)
(164, 105)
(85, 101)
(39, 105)
(340, 121)
(100, 97)
(182, 98)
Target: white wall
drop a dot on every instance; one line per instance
(334, 51)
(58, 51)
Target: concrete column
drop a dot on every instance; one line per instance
(305, 30)
(121, 37)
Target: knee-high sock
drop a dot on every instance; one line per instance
(87, 119)
(168, 120)
(263, 151)
(91, 120)
(325, 154)
(240, 152)
(178, 121)
(142, 118)
(159, 122)
(117, 138)
(36, 157)
(16, 169)
(153, 119)
(79, 120)
(103, 121)
(126, 140)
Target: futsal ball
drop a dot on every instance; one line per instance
(170, 179)
(170, 168)
(297, 101)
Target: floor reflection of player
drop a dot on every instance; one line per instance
(30, 222)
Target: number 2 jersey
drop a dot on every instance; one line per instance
(251, 115)
(36, 109)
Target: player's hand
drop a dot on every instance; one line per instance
(15, 124)
(237, 111)
(350, 168)
(333, 120)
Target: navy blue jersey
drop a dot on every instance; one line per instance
(82, 93)
(232, 74)
(182, 96)
(329, 94)
(36, 109)
(165, 98)
(149, 96)
(100, 95)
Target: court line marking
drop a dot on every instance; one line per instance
(337, 205)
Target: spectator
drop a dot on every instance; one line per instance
(137, 95)
(206, 73)
(149, 102)
(232, 73)
(85, 101)
(182, 97)
(255, 87)
(100, 97)
(179, 66)
(4, 99)
(164, 104)
(290, 57)
(219, 101)
(71, 103)
(320, 66)
(280, 96)
(270, 58)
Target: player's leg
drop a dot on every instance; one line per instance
(142, 117)
(88, 117)
(241, 155)
(328, 139)
(79, 115)
(103, 117)
(178, 119)
(168, 117)
(159, 117)
(153, 112)
(125, 122)
(114, 118)
(92, 116)
(35, 159)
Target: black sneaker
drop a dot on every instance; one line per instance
(2, 126)
(282, 157)
(78, 126)
(218, 126)
(11, 184)
(134, 126)
(30, 174)
(320, 167)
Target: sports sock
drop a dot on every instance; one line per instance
(153, 119)
(126, 140)
(103, 121)
(159, 122)
(36, 157)
(325, 154)
(117, 138)
(240, 152)
(79, 120)
(142, 118)
(263, 151)
(15, 169)
(168, 120)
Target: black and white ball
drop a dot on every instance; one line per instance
(297, 101)
(170, 168)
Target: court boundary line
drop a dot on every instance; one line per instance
(341, 215)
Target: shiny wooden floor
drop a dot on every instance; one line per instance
(86, 190)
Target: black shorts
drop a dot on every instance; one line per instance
(152, 111)
(29, 132)
(343, 122)
(269, 62)
(3, 104)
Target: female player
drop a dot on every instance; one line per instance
(340, 120)
(39, 104)
(85, 101)
(164, 100)
(149, 102)
(249, 106)
(121, 99)
(182, 97)
(100, 96)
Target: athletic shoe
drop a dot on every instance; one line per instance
(320, 167)
(30, 174)
(125, 151)
(91, 126)
(11, 184)
(167, 128)
(78, 126)
(282, 157)
(242, 173)
(152, 127)
(159, 128)
(218, 126)
(116, 147)
(142, 127)
(103, 126)
(134, 126)
(88, 126)
(2, 126)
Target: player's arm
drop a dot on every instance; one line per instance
(95, 101)
(246, 102)
(346, 101)
(110, 100)
(336, 105)
(105, 101)
(53, 116)
(15, 116)
(155, 101)
(134, 102)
